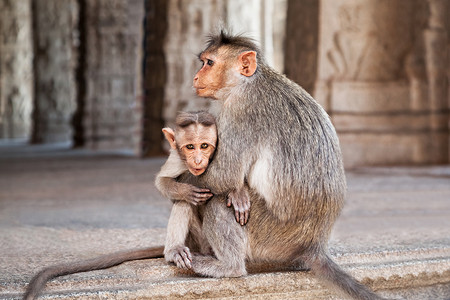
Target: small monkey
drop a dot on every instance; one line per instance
(192, 147)
(277, 141)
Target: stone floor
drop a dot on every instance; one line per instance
(58, 204)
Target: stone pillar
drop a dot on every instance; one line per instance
(279, 33)
(54, 30)
(437, 58)
(153, 80)
(365, 51)
(79, 138)
(301, 51)
(16, 69)
(188, 24)
(113, 29)
(262, 20)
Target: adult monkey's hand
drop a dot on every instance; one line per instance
(241, 202)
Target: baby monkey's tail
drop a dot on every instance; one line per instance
(38, 282)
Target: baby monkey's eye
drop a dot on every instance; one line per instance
(190, 147)
(209, 62)
(204, 146)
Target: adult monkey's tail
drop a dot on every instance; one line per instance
(326, 269)
(38, 282)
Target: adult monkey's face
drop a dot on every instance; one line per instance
(222, 70)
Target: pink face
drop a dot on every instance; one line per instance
(197, 144)
(220, 72)
(211, 77)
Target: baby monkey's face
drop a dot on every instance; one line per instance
(197, 144)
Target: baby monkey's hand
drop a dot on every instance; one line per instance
(194, 195)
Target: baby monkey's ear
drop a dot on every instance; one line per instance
(170, 137)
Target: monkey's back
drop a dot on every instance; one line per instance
(295, 170)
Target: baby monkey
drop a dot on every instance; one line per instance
(193, 145)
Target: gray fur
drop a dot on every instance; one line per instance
(274, 136)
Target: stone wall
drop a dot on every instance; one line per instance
(382, 76)
(113, 42)
(55, 40)
(16, 72)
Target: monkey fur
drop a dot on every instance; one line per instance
(275, 138)
(192, 146)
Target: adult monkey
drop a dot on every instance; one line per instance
(275, 138)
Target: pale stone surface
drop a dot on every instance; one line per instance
(58, 205)
(401, 123)
(390, 148)
(368, 97)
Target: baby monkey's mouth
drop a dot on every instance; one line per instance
(197, 171)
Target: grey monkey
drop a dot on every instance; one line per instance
(192, 147)
(275, 138)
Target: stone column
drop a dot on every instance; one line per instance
(78, 138)
(113, 29)
(188, 24)
(437, 58)
(301, 51)
(152, 79)
(16, 69)
(262, 20)
(363, 80)
(54, 33)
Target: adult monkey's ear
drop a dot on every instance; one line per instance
(248, 63)
(170, 137)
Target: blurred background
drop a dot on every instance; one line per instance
(109, 74)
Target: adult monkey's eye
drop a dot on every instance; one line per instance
(190, 146)
(209, 62)
(204, 146)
